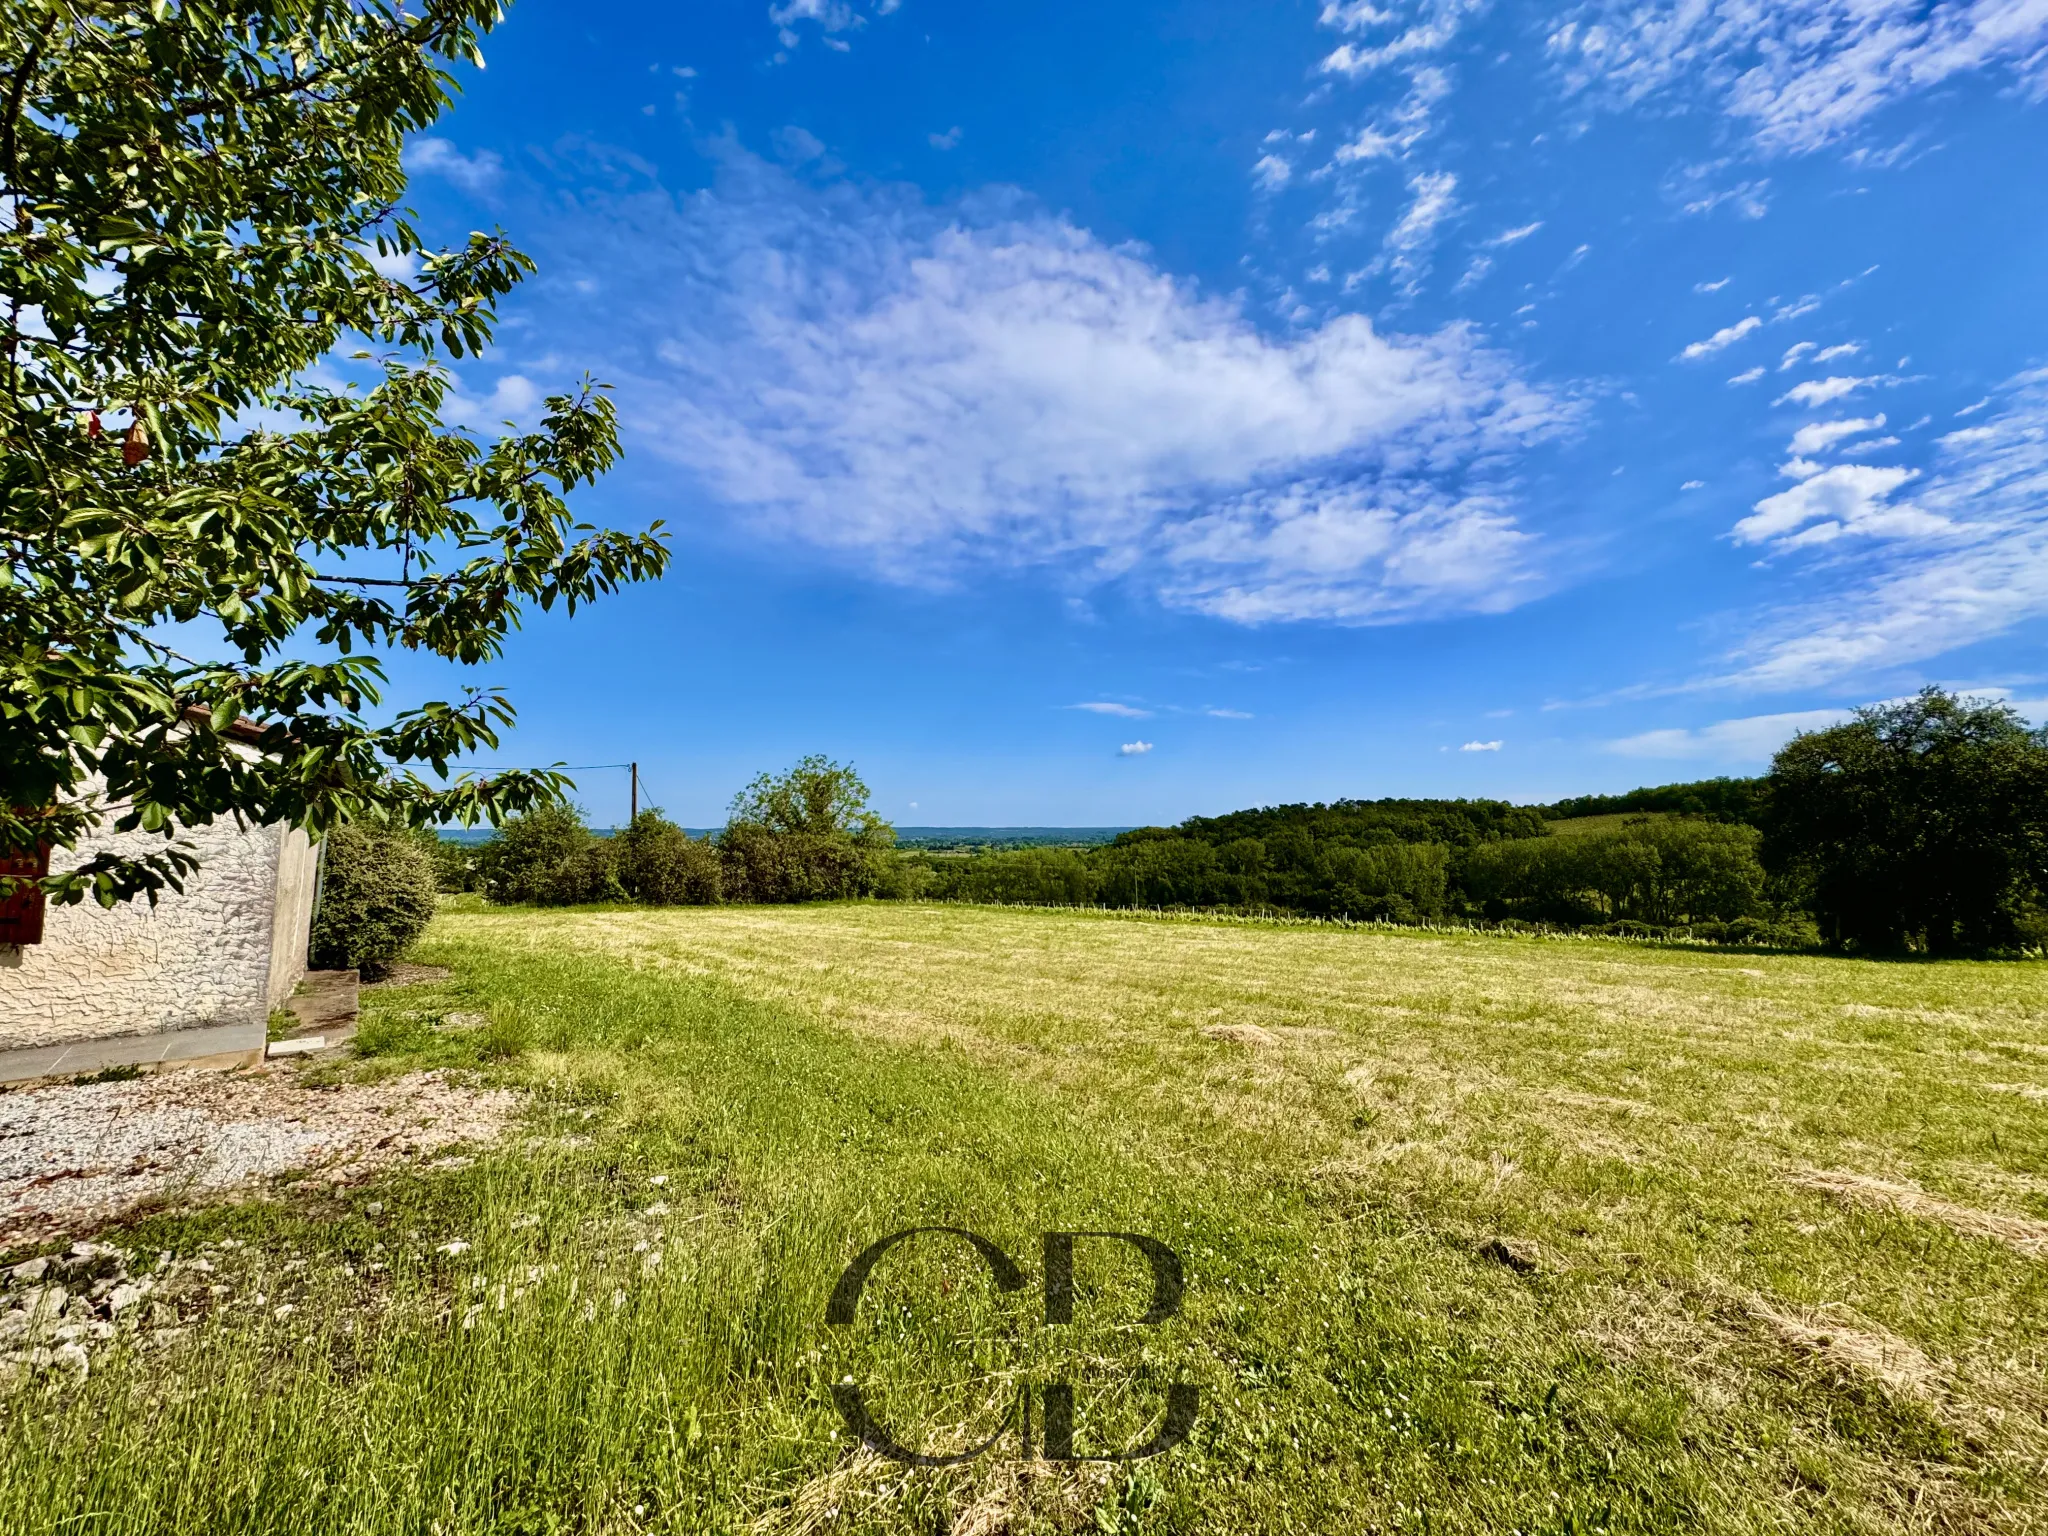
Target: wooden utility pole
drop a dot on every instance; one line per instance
(634, 770)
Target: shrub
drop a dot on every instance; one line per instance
(1053, 877)
(455, 864)
(547, 858)
(662, 865)
(806, 835)
(377, 888)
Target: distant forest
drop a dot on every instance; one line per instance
(1919, 826)
(1737, 800)
(1674, 863)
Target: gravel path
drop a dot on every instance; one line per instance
(74, 1156)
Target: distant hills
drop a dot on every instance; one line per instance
(1458, 822)
(927, 839)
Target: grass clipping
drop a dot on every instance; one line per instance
(2017, 1232)
(1882, 1357)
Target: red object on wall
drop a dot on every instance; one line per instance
(21, 915)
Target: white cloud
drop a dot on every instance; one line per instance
(1793, 354)
(1971, 410)
(1727, 336)
(1272, 173)
(437, 157)
(1828, 503)
(1434, 200)
(797, 146)
(399, 266)
(1511, 236)
(1353, 553)
(1480, 746)
(927, 391)
(1124, 711)
(1371, 144)
(1751, 740)
(1840, 349)
(514, 398)
(1748, 375)
(1714, 287)
(1965, 560)
(1819, 436)
(1693, 485)
(1354, 15)
(950, 139)
(1228, 714)
(1820, 391)
(1134, 749)
(1429, 27)
(829, 16)
(1750, 199)
(1392, 136)
(1800, 74)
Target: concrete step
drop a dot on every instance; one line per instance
(325, 1004)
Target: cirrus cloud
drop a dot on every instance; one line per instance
(1753, 739)
(1895, 582)
(1801, 74)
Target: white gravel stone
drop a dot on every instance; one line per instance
(78, 1153)
(122, 1297)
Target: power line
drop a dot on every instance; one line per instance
(563, 768)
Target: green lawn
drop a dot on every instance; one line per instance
(1789, 1219)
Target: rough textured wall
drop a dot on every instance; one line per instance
(203, 957)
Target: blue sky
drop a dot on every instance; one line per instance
(1082, 414)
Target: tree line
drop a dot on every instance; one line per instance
(1918, 826)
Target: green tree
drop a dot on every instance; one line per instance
(806, 835)
(193, 198)
(1919, 824)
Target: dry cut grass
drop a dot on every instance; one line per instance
(1483, 1233)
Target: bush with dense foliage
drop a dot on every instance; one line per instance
(377, 890)
(663, 866)
(1919, 825)
(806, 835)
(1657, 870)
(456, 865)
(548, 858)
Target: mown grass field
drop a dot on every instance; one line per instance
(1779, 1229)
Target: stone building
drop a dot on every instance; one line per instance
(226, 951)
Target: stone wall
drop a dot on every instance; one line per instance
(226, 951)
